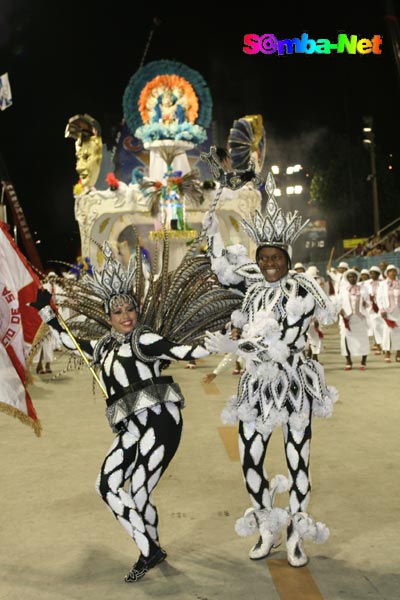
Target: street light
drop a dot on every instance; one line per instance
(369, 142)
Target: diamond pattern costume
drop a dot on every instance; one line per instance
(143, 406)
(280, 386)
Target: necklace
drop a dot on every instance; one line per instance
(119, 337)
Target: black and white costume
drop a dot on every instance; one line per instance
(279, 387)
(144, 410)
(143, 407)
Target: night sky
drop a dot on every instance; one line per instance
(81, 60)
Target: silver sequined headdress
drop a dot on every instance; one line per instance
(113, 281)
(274, 228)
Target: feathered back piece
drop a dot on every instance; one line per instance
(193, 301)
(179, 305)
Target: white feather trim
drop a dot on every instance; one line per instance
(229, 414)
(298, 421)
(278, 417)
(234, 251)
(279, 352)
(267, 371)
(224, 271)
(295, 308)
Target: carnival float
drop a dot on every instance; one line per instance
(157, 185)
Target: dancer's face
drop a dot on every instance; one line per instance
(123, 317)
(273, 263)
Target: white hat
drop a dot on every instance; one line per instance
(376, 269)
(390, 267)
(313, 271)
(343, 265)
(352, 271)
(364, 272)
(298, 266)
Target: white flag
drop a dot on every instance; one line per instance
(19, 323)
(5, 92)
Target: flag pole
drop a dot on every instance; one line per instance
(329, 265)
(76, 343)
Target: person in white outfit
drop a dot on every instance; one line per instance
(337, 276)
(388, 300)
(375, 317)
(352, 303)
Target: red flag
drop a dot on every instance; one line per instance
(319, 332)
(346, 322)
(373, 303)
(390, 323)
(18, 326)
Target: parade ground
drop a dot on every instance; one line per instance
(59, 541)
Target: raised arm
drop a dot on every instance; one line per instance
(48, 316)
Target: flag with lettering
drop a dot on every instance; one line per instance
(19, 324)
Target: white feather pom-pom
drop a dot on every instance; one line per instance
(238, 319)
(322, 533)
(229, 417)
(225, 272)
(333, 394)
(246, 526)
(279, 484)
(263, 428)
(323, 408)
(247, 413)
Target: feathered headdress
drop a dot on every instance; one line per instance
(113, 280)
(275, 228)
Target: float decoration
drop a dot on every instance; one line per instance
(247, 142)
(166, 100)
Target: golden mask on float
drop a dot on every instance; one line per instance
(86, 132)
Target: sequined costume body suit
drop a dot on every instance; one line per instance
(280, 386)
(147, 439)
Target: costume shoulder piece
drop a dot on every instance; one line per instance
(313, 287)
(135, 337)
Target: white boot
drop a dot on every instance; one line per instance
(268, 539)
(263, 547)
(294, 545)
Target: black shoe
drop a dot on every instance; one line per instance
(144, 564)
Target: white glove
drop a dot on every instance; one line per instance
(217, 342)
